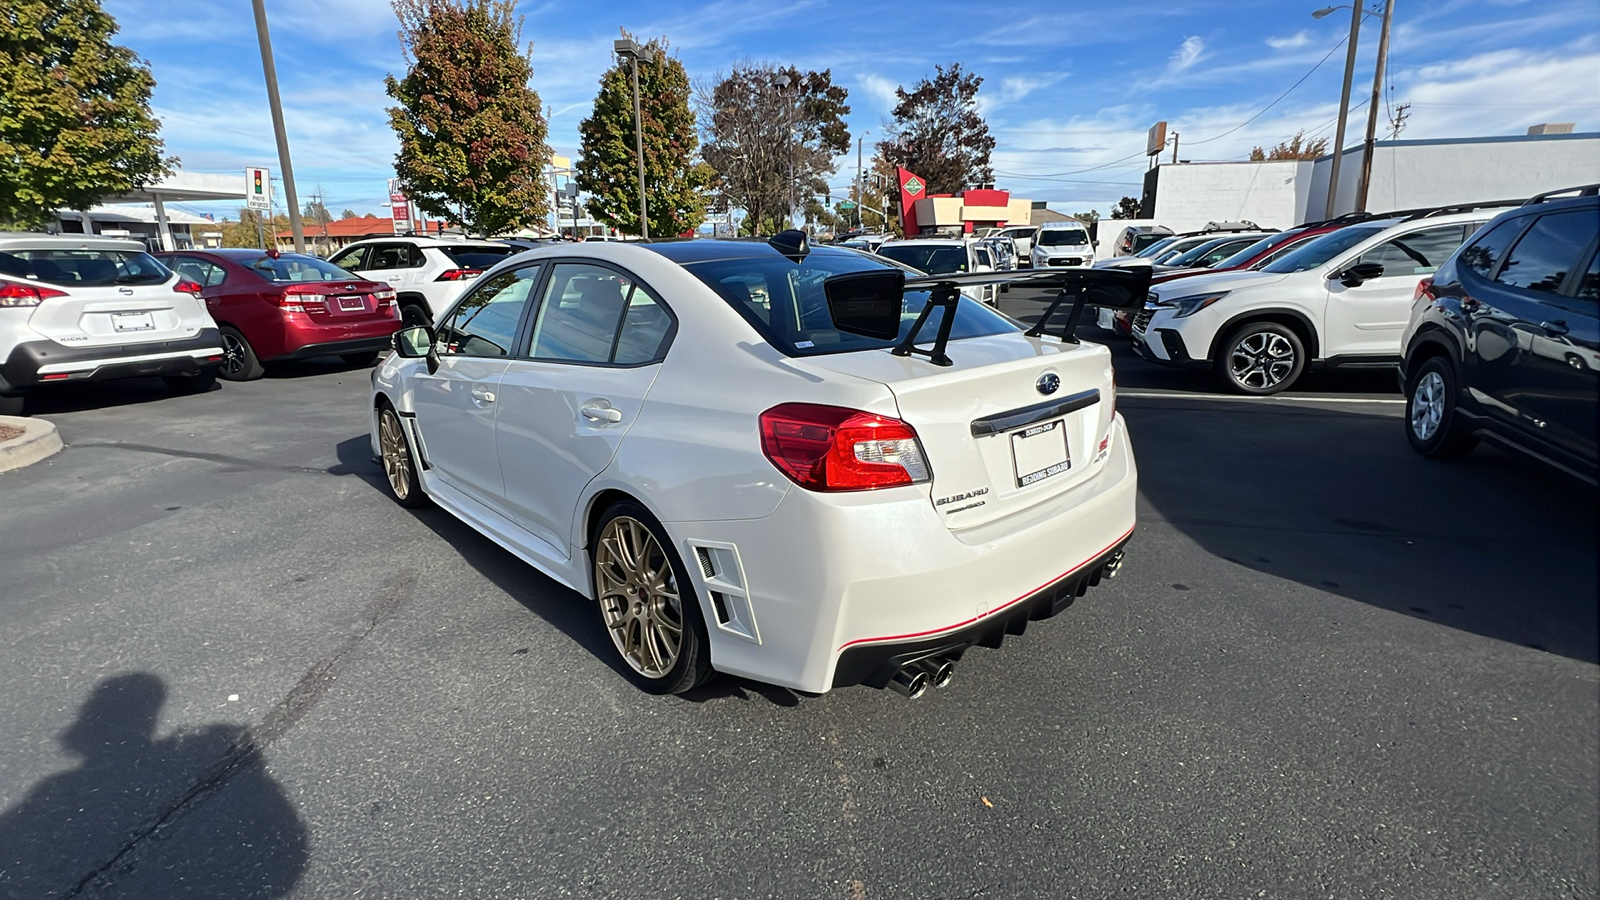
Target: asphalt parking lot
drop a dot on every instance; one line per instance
(1329, 668)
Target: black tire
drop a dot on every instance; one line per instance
(360, 359)
(1270, 358)
(1432, 424)
(398, 460)
(239, 360)
(413, 314)
(692, 665)
(12, 404)
(192, 384)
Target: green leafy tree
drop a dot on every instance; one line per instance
(244, 231)
(607, 169)
(472, 133)
(1127, 208)
(938, 133)
(348, 214)
(772, 135)
(1296, 147)
(1088, 218)
(75, 122)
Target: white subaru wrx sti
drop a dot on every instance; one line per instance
(767, 459)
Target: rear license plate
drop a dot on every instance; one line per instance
(1040, 451)
(133, 321)
(352, 304)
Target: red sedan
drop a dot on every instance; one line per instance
(274, 306)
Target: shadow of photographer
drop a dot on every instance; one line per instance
(190, 814)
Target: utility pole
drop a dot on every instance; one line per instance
(629, 49)
(271, 72)
(1372, 108)
(1174, 148)
(1344, 102)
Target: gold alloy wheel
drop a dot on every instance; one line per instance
(639, 598)
(396, 455)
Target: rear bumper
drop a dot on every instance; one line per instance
(832, 590)
(304, 338)
(37, 362)
(335, 348)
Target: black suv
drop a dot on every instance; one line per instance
(1503, 340)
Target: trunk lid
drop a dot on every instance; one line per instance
(996, 442)
(115, 315)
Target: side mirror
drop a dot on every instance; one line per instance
(867, 303)
(1358, 273)
(413, 343)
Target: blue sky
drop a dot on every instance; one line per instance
(1069, 91)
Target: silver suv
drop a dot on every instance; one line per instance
(86, 308)
(427, 273)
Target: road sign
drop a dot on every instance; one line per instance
(257, 188)
(846, 204)
(399, 206)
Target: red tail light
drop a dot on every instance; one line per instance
(302, 298)
(829, 448)
(458, 274)
(1424, 291)
(188, 287)
(13, 294)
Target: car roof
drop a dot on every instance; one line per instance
(26, 239)
(944, 242)
(705, 250)
(424, 241)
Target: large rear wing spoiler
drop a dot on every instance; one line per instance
(870, 303)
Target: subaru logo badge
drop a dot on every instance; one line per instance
(1048, 383)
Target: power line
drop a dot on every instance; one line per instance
(1274, 102)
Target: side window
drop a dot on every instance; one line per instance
(202, 272)
(591, 314)
(1489, 248)
(1549, 250)
(414, 257)
(1417, 253)
(485, 322)
(350, 260)
(389, 256)
(1589, 284)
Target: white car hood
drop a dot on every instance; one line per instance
(1217, 281)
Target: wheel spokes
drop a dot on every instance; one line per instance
(638, 597)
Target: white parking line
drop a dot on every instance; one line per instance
(1237, 398)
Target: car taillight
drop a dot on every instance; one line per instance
(384, 297)
(829, 448)
(297, 298)
(1424, 291)
(188, 287)
(13, 294)
(458, 274)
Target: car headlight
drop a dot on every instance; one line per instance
(1187, 306)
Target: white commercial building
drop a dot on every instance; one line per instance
(1405, 175)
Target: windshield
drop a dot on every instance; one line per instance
(1317, 251)
(1175, 249)
(295, 267)
(1157, 247)
(1063, 237)
(935, 260)
(84, 268)
(1193, 253)
(785, 302)
(1250, 252)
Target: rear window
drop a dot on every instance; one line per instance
(295, 267)
(933, 259)
(84, 268)
(784, 301)
(1319, 250)
(479, 257)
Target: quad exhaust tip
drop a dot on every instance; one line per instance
(910, 681)
(939, 670)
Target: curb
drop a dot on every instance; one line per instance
(39, 440)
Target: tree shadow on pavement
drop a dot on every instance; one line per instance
(1494, 544)
(110, 826)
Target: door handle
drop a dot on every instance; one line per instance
(480, 395)
(1559, 326)
(601, 414)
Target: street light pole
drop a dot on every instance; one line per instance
(271, 73)
(1344, 100)
(860, 192)
(1372, 108)
(629, 49)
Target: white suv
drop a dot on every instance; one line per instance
(1062, 244)
(87, 308)
(1340, 300)
(427, 274)
(946, 256)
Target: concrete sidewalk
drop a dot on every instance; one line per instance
(26, 441)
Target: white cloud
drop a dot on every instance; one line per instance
(1293, 42)
(880, 92)
(1187, 54)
